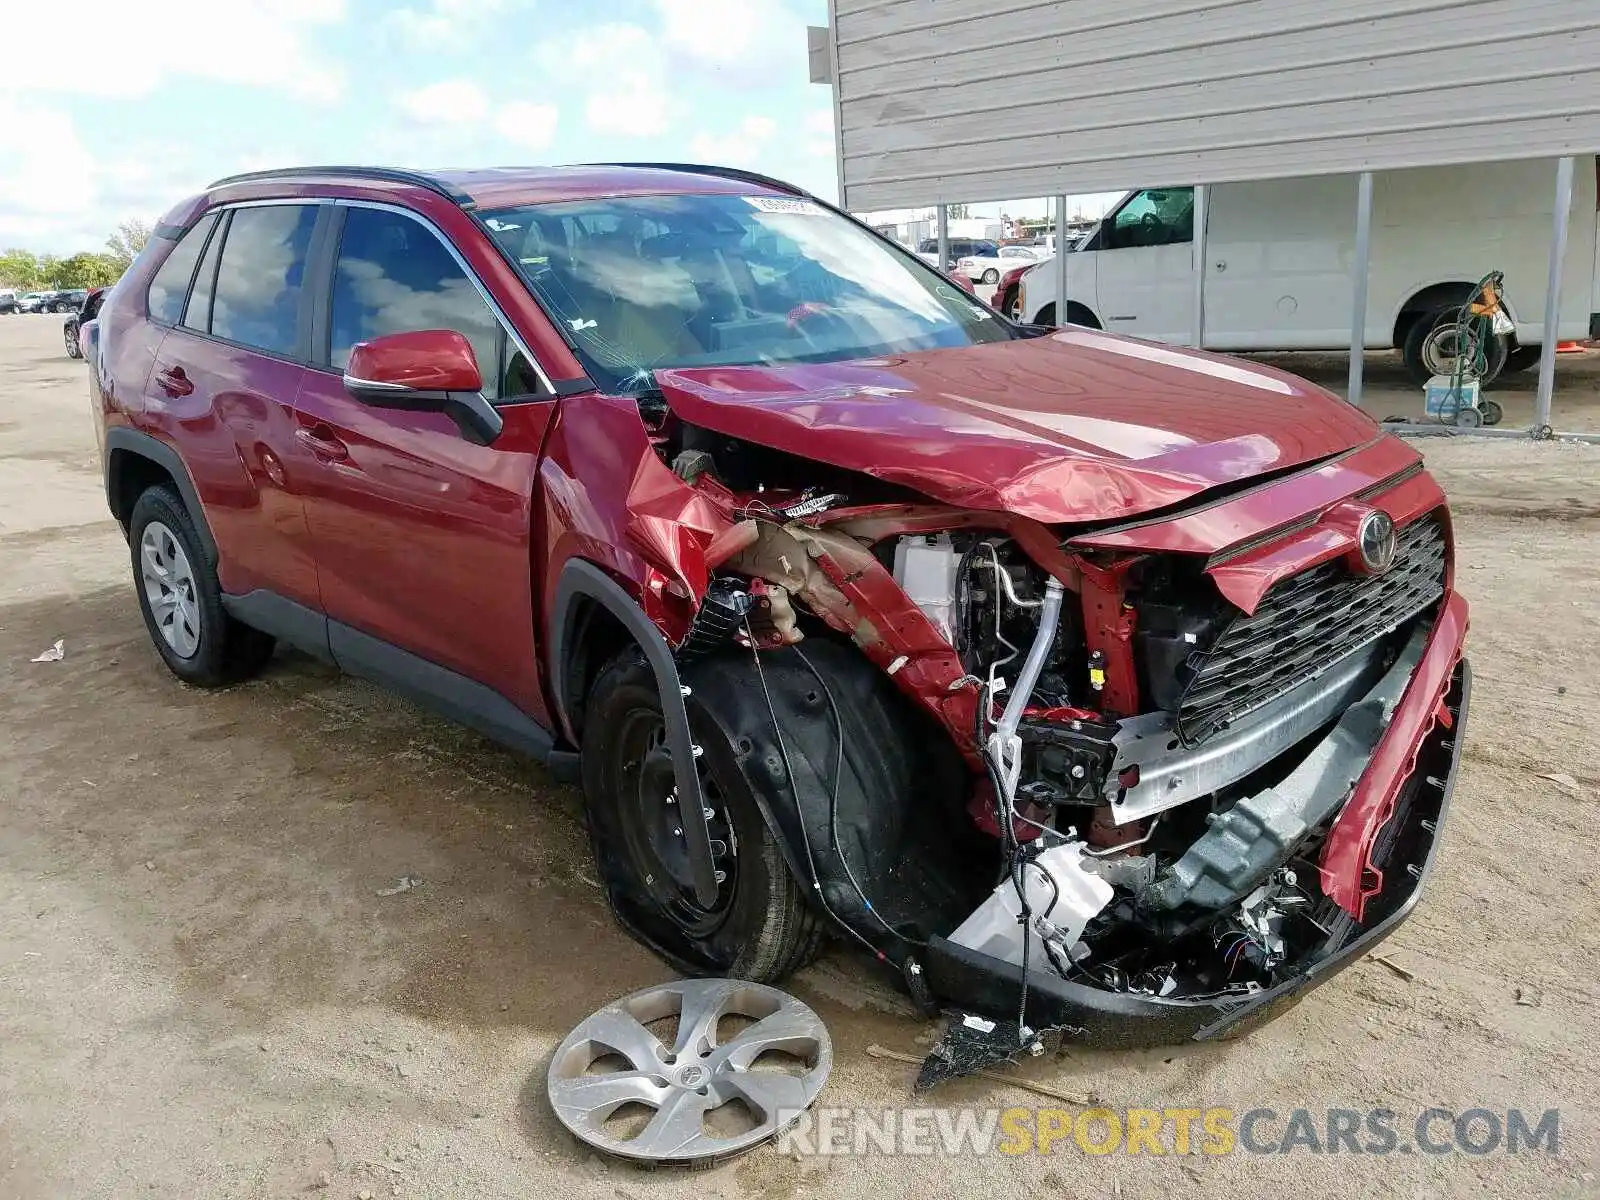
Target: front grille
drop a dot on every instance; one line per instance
(1306, 623)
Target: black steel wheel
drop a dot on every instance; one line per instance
(758, 927)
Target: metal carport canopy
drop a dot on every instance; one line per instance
(973, 100)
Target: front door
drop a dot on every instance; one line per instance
(1144, 279)
(424, 539)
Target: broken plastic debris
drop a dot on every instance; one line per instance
(404, 884)
(55, 654)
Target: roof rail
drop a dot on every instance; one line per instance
(386, 174)
(721, 172)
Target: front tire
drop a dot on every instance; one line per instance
(181, 598)
(990, 277)
(759, 927)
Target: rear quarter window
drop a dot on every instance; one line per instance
(171, 283)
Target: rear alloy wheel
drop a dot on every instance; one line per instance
(182, 601)
(758, 927)
(990, 277)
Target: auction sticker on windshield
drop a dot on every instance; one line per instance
(778, 204)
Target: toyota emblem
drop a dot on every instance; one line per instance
(1377, 542)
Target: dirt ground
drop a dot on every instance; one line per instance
(203, 994)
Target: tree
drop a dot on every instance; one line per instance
(19, 269)
(126, 243)
(88, 270)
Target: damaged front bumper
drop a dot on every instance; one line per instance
(1394, 817)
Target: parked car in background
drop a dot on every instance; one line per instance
(1009, 287)
(987, 268)
(69, 300)
(8, 300)
(928, 251)
(72, 329)
(1278, 256)
(32, 302)
(843, 596)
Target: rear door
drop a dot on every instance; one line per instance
(224, 382)
(423, 539)
(1145, 267)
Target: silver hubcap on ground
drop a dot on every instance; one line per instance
(169, 589)
(767, 1072)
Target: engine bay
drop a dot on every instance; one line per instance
(1154, 771)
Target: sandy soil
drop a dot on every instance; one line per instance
(203, 994)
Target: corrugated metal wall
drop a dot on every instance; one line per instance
(959, 100)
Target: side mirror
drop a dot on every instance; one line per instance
(430, 370)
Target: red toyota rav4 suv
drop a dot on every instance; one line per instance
(843, 596)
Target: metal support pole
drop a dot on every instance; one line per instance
(1061, 260)
(1198, 334)
(1358, 273)
(944, 237)
(1552, 295)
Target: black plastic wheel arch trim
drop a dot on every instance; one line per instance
(1115, 1020)
(120, 439)
(582, 578)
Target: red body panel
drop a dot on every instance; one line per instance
(423, 538)
(1075, 426)
(430, 360)
(235, 431)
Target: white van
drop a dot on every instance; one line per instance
(1278, 257)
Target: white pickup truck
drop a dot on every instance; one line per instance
(1279, 252)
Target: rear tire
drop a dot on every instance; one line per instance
(760, 927)
(1523, 358)
(990, 277)
(69, 334)
(181, 598)
(1428, 348)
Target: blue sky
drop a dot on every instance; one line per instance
(145, 108)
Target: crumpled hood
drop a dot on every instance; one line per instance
(1074, 426)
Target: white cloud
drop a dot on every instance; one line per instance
(819, 133)
(741, 148)
(532, 126)
(451, 102)
(747, 42)
(444, 24)
(630, 97)
(121, 49)
(57, 197)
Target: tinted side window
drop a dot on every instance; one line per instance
(257, 298)
(393, 276)
(197, 313)
(171, 284)
(1155, 217)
